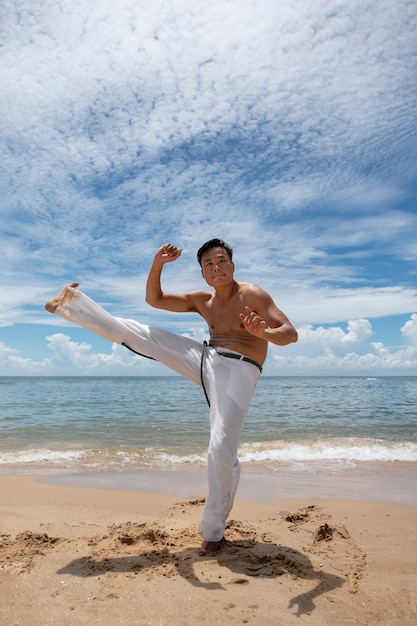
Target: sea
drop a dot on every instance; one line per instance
(300, 429)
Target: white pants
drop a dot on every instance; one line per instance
(229, 384)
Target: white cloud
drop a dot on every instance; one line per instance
(337, 351)
(402, 362)
(12, 364)
(335, 339)
(409, 330)
(328, 305)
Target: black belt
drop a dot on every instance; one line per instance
(240, 357)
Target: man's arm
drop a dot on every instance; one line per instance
(180, 303)
(268, 321)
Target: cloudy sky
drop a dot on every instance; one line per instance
(287, 128)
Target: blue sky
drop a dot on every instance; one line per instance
(288, 129)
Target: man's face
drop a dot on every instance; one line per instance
(216, 267)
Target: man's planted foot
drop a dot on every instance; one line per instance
(209, 548)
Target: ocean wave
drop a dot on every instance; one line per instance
(349, 449)
(333, 451)
(40, 457)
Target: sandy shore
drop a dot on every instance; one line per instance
(73, 555)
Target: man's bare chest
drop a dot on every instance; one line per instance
(223, 317)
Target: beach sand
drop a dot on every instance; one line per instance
(74, 555)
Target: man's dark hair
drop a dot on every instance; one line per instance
(214, 243)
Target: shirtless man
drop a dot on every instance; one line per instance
(242, 319)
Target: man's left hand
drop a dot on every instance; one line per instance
(254, 323)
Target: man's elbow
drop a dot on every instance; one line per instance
(292, 335)
(153, 299)
(153, 302)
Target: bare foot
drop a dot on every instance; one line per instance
(52, 304)
(210, 547)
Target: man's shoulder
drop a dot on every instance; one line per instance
(253, 290)
(201, 295)
(250, 287)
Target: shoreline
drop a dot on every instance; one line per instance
(391, 483)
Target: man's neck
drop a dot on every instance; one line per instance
(224, 292)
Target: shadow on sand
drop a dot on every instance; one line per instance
(237, 562)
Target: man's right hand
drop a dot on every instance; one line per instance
(155, 296)
(167, 253)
